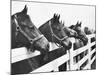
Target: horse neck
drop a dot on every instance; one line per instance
(45, 30)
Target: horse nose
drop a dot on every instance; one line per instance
(70, 45)
(47, 46)
(86, 41)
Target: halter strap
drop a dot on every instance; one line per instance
(54, 34)
(30, 39)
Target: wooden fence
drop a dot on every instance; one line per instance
(68, 58)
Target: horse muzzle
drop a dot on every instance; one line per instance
(67, 45)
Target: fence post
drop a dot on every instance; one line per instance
(89, 51)
(71, 61)
(67, 63)
(56, 69)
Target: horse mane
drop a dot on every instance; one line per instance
(45, 24)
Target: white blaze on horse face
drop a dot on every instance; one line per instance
(72, 40)
(53, 46)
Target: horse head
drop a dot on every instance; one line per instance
(24, 33)
(89, 31)
(70, 32)
(53, 31)
(81, 34)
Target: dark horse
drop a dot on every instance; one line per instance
(89, 31)
(80, 40)
(53, 31)
(81, 35)
(25, 34)
(70, 32)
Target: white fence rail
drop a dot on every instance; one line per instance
(54, 65)
(20, 54)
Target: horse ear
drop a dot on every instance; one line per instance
(63, 22)
(80, 24)
(58, 17)
(54, 15)
(77, 22)
(24, 11)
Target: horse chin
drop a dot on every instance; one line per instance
(85, 41)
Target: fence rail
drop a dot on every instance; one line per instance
(69, 56)
(20, 54)
(54, 65)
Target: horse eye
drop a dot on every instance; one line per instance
(58, 28)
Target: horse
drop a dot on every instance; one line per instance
(81, 35)
(53, 31)
(70, 32)
(25, 34)
(80, 40)
(89, 31)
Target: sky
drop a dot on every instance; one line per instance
(69, 14)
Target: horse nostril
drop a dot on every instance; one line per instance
(48, 46)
